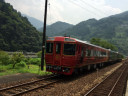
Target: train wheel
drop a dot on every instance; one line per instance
(81, 70)
(76, 72)
(102, 64)
(94, 66)
(89, 67)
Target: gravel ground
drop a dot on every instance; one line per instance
(76, 86)
(15, 79)
(70, 86)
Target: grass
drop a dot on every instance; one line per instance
(7, 70)
(21, 65)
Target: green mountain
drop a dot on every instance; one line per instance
(56, 28)
(16, 32)
(114, 29)
(35, 22)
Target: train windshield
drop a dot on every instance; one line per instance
(58, 48)
(69, 49)
(49, 47)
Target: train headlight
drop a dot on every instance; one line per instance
(66, 70)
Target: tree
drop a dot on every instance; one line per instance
(17, 58)
(103, 43)
(2, 1)
(39, 54)
(4, 58)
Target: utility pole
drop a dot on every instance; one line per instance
(44, 36)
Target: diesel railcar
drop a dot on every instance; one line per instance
(66, 55)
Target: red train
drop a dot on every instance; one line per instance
(66, 55)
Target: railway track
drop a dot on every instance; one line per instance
(112, 85)
(29, 86)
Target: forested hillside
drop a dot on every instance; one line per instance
(56, 28)
(35, 22)
(114, 29)
(16, 32)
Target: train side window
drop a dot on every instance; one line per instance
(49, 47)
(89, 53)
(92, 53)
(78, 49)
(69, 49)
(106, 54)
(58, 48)
(82, 51)
(86, 52)
(101, 54)
(98, 53)
(95, 53)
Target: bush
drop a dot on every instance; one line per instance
(21, 64)
(39, 54)
(17, 58)
(4, 58)
(35, 61)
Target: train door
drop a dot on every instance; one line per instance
(58, 53)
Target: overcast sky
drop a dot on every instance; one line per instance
(70, 11)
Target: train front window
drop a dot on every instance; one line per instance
(58, 48)
(49, 47)
(69, 49)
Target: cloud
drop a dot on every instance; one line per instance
(71, 11)
(29, 7)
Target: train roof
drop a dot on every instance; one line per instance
(86, 42)
(70, 39)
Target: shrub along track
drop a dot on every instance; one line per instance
(21, 89)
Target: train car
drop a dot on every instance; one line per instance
(66, 55)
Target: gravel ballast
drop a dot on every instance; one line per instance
(76, 86)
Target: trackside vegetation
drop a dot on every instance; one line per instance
(17, 63)
(103, 43)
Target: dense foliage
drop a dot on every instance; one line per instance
(103, 43)
(16, 33)
(4, 58)
(39, 54)
(56, 28)
(17, 58)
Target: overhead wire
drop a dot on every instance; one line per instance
(89, 11)
(93, 7)
(78, 5)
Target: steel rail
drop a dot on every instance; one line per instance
(42, 86)
(7, 88)
(103, 81)
(116, 82)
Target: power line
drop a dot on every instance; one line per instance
(84, 8)
(93, 7)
